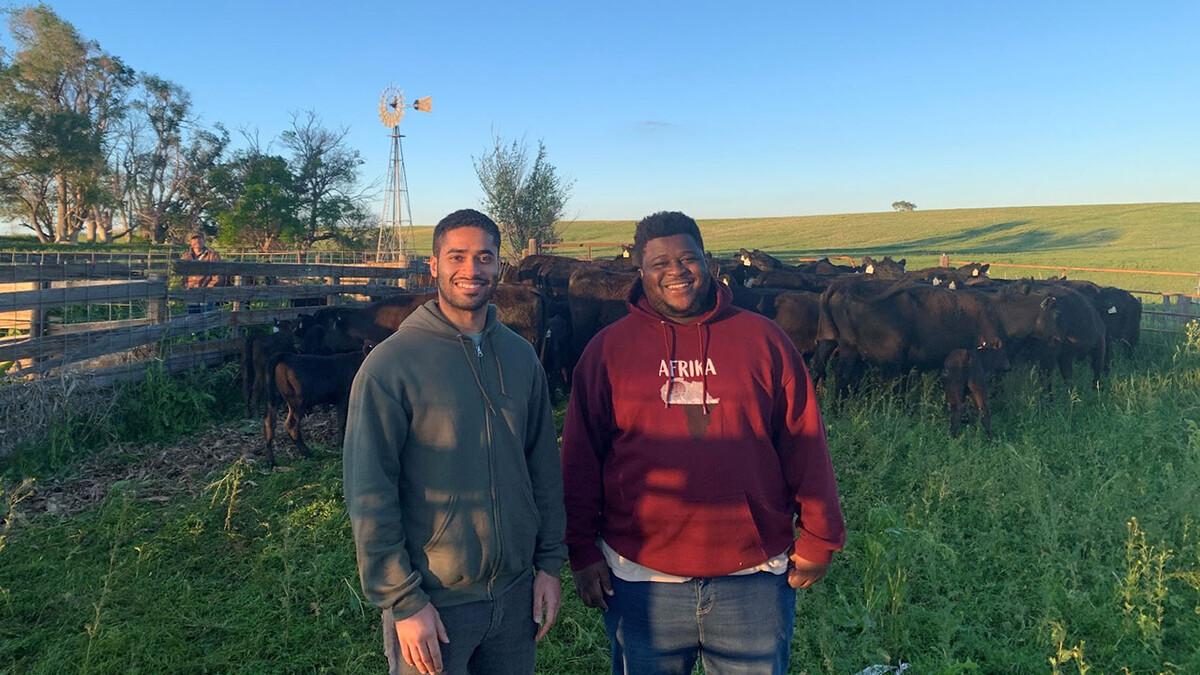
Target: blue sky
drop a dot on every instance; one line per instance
(714, 108)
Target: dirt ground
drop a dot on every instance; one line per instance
(156, 473)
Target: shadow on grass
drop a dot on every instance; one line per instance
(990, 239)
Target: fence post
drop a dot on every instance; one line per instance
(331, 299)
(156, 309)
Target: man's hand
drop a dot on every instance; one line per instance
(594, 583)
(419, 636)
(803, 573)
(547, 596)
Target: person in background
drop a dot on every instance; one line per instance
(699, 487)
(452, 475)
(199, 251)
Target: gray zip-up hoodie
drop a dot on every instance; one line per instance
(451, 466)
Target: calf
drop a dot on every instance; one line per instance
(303, 381)
(555, 354)
(257, 351)
(966, 371)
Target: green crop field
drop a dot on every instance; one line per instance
(145, 536)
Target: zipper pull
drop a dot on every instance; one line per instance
(479, 351)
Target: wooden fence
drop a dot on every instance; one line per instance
(108, 320)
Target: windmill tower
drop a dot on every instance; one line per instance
(395, 245)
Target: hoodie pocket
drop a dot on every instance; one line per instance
(722, 530)
(520, 529)
(439, 528)
(453, 551)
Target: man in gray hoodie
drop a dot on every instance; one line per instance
(452, 475)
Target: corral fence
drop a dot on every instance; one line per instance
(108, 319)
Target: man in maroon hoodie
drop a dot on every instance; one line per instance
(697, 478)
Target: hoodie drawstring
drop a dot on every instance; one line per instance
(669, 344)
(702, 334)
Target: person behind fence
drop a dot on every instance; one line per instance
(199, 251)
(699, 487)
(452, 475)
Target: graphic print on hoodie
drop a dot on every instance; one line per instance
(692, 395)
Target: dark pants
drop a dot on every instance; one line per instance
(735, 625)
(491, 637)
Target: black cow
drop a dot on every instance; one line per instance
(902, 326)
(761, 260)
(883, 269)
(303, 381)
(792, 279)
(1079, 331)
(796, 312)
(549, 273)
(596, 298)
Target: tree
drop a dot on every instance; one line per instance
(258, 202)
(59, 95)
(524, 200)
(164, 164)
(904, 206)
(325, 173)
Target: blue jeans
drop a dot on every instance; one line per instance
(490, 637)
(735, 624)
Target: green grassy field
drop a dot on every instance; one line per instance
(1070, 544)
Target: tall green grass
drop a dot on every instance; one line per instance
(1069, 544)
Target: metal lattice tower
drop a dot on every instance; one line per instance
(395, 244)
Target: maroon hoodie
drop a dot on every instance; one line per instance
(696, 450)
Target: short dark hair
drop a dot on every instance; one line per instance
(196, 235)
(464, 218)
(663, 224)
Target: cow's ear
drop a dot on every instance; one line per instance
(984, 268)
(902, 262)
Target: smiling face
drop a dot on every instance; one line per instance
(675, 278)
(467, 269)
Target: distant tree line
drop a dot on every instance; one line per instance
(92, 149)
(904, 206)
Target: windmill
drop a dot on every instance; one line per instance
(395, 243)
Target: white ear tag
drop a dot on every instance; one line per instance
(1112, 310)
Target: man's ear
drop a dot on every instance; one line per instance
(433, 266)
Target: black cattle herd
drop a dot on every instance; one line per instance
(957, 321)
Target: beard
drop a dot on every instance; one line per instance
(456, 298)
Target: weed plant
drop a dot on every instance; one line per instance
(158, 409)
(1070, 544)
